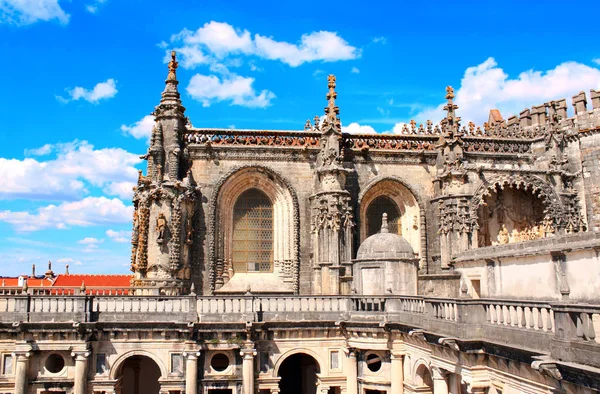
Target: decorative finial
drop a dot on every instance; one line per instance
(384, 224)
(451, 124)
(33, 270)
(67, 269)
(82, 288)
(173, 67)
(316, 122)
(332, 111)
(307, 125)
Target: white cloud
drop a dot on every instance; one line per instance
(597, 61)
(322, 45)
(355, 70)
(76, 167)
(215, 41)
(119, 236)
(220, 38)
(379, 40)
(41, 151)
(90, 211)
(140, 129)
(90, 241)
(94, 6)
(26, 12)
(234, 88)
(355, 128)
(102, 90)
(487, 86)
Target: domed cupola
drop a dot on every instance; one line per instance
(385, 264)
(385, 245)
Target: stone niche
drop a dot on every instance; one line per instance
(385, 264)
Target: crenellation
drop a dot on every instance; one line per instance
(580, 104)
(538, 115)
(595, 97)
(525, 118)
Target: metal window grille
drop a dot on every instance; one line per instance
(376, 209)
(252, 233)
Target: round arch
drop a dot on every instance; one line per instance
(419, 377)
(118, 364)
(409, 203)
(286, 244)
(292, 352)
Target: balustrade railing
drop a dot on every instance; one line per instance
(524, 315)
(249, 138)
(577, 322)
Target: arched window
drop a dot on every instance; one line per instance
(376, 209)
(252, 233)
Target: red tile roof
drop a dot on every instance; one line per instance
(104, 281)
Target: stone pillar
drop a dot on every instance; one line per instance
(22, 361)
(81, 363)
(248, 355)
(191, 372)
(440, 386)
(351, 373)
(397, 373)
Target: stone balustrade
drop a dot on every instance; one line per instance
(546, 327)
(523, 315)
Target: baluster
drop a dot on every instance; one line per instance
(591, 330)
(579, 326)
(500, 314)
(508, 321)
(529, 317)
(520, 322)
(540, 322)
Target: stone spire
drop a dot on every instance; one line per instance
(170, 96)
(332, 111)
(451, 124)
(384, 224)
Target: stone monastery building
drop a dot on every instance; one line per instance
(446, 259)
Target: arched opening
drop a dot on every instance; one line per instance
(252, 233)
(298, 374)
(510, 214)
(423, 381)
(139, 375)
(391, 196)
(376, 209)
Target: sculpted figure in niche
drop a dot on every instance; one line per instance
(503, 235)
(161, 224)
(189, 231)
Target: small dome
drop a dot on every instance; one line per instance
(385, 245)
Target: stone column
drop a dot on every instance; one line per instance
(439, 381)
(351, 373)
(81, 362)
(22, 361)
(397, 373)
(191, 372)
(248, 355)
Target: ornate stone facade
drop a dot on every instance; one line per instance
(483, 277)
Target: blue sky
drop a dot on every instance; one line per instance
(81, 78)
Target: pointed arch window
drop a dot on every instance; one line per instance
(252, 233)
(376, 209)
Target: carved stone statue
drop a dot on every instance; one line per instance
(189, 231)
(503, 235)
(161, 224)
